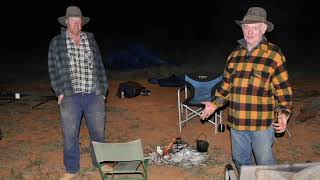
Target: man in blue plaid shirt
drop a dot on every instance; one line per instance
(78, 78)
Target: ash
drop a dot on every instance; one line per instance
(181, 155)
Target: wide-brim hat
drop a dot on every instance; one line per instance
(256, 15)
(73, 11)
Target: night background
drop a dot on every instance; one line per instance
(183, 32)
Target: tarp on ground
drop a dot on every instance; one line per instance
(171, 81)
(133, 56)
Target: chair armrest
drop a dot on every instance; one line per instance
(184, 88)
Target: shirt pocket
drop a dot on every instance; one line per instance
(239, 78)
(259, 79)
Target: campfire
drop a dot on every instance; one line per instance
(178, 154)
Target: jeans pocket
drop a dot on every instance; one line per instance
(65, 100)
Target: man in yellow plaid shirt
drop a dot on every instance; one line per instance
(256, 86)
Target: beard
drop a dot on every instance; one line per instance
(75, 31)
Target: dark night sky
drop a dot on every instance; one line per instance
(161, 25)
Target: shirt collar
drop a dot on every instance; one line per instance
(263, 44)
(82, 37)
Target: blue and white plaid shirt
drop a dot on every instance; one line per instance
(80, 65)
(58, 66)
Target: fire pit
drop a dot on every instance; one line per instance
(181, 155)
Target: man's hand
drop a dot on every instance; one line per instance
(208, 110)
(281, 125)
(60, 97)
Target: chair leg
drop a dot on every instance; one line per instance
(180, 114)
(216, 122)
(185, 116)
(145, 170)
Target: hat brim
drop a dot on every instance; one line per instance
(62, 20)
(270, 26)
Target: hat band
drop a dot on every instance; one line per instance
(254, 19)
(73, 15)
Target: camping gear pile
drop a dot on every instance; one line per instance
(131, 89)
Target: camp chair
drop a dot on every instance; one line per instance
(294, 171)
(127, 159)
(199, 87)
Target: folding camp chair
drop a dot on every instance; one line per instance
(127, 159)
(199, 87)
(294, 171)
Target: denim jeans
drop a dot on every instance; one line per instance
(72, 109)
(244, 143)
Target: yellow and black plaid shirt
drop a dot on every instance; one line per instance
(256, 85)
